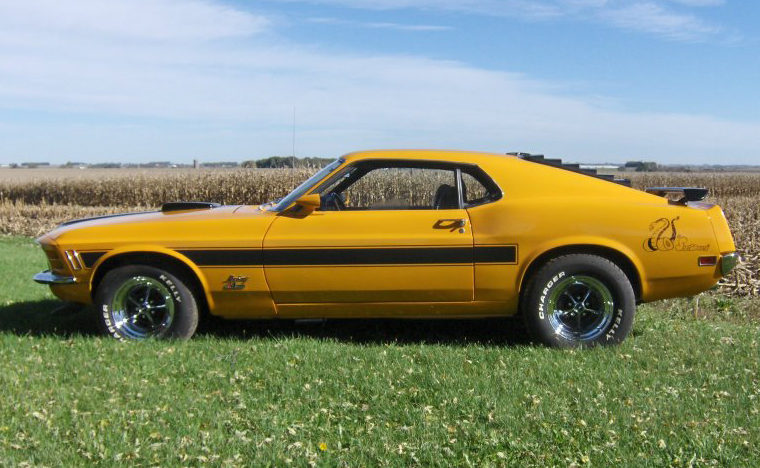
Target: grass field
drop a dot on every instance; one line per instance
(682, 390)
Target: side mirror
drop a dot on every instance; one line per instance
(309, 203)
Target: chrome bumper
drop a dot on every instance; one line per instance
(48, 277)
(728, 262)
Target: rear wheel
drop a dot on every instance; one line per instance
(139, 302)
(579, 300)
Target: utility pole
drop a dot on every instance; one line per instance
(294, 137)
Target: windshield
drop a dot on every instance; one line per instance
(308, 184)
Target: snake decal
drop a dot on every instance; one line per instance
(663, 236)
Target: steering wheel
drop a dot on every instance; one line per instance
(334, 201)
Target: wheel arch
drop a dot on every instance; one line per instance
(623, 261)
(160, 258)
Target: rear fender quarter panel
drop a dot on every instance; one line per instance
(579, 242)
(662, 241)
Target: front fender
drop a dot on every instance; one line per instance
(153, 249)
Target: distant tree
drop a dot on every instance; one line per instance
(70, 164)
(641, 166)
(275, 162)
(287, 162)
(221, 164)
(648, 166)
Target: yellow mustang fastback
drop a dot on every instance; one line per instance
(405, 234)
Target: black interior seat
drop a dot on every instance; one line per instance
(446, 198)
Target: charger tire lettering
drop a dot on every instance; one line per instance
(109, 323)
(541, 304)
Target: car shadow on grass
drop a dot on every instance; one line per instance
(47, 317)
(56, 318)
(492, 332)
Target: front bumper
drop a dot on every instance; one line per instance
(48, 277)
(728, 262)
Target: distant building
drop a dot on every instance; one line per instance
(603, 167)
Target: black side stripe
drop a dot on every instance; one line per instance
(224, 257)
(496, 254)
(359, 256)
(89, 258)
(367, 256)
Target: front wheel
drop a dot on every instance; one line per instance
(139, 302)
(579, 300)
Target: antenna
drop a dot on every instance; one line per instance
(294, 137)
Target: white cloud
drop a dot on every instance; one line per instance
(381, 25)
(536, 9)
(700, 3)
(233, 99)
(655, 17)
(136, 19)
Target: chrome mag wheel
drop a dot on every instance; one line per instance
(580, 308)
(142, 307)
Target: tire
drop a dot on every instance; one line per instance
(139, 302)
(579, 300)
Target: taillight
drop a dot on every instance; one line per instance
(707, 261)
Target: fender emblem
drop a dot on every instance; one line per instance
(235, 282)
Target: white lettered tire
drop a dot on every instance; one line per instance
(139, 302)
(579, 300)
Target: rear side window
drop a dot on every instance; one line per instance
(478, 189)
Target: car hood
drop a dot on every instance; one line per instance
(222, 226)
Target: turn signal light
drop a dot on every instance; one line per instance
(708, 261)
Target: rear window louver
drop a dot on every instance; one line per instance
(540, 159)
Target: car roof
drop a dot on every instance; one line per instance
(428, 154)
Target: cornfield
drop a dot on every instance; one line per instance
(31, 205)
(146, 189)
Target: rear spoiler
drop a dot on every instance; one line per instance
(688, 194)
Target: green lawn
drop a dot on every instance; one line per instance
(682, 390)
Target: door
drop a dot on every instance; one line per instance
(386, 232)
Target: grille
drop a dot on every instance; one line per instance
(54, 259)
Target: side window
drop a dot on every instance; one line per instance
(474, 192)
(472, 189)
(399, 188)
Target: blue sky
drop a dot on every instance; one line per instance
(589, 80)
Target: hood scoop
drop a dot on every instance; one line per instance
(192, 205)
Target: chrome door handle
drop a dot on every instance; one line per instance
(452, 222)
